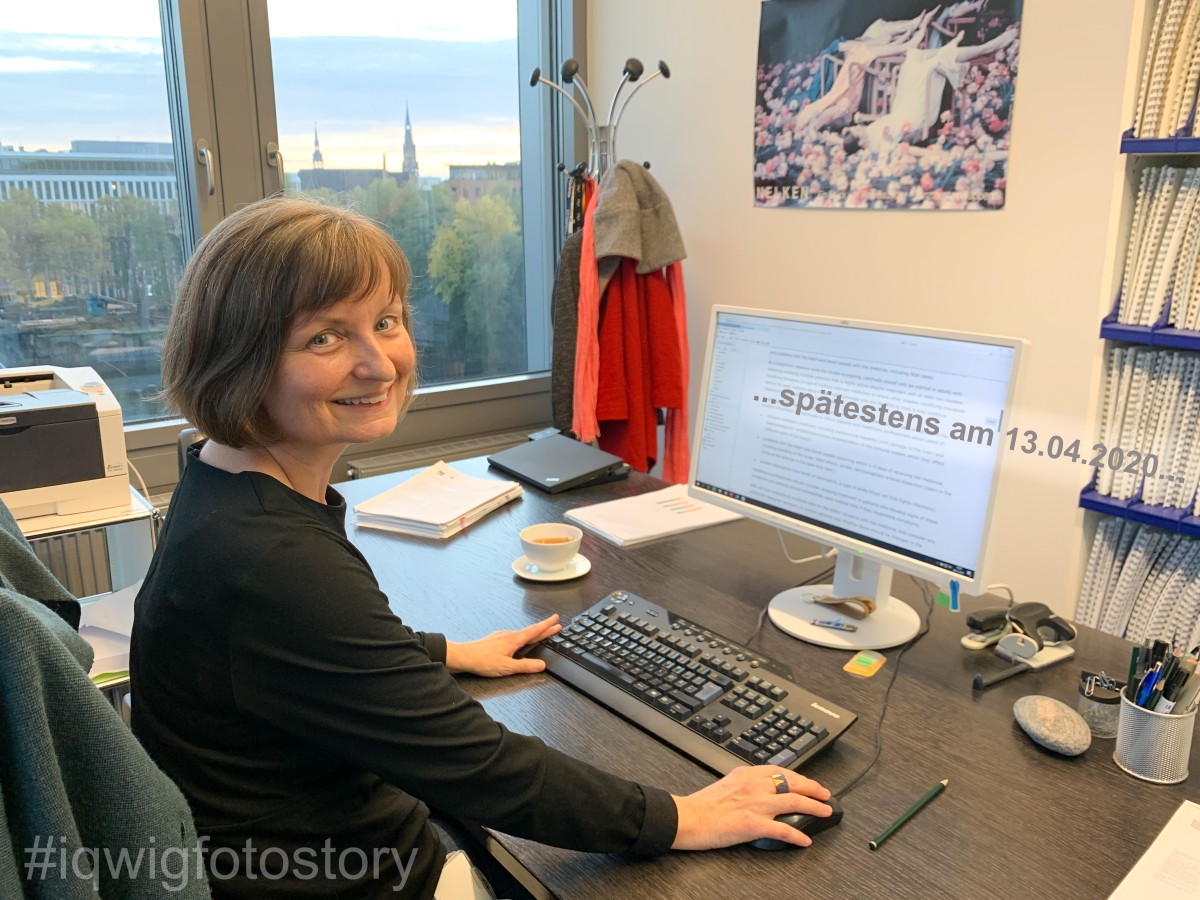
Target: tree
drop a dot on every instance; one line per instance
(476, 266)
(8, 269)
(50, 243)
(145, 253)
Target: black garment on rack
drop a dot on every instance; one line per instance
(564, 320)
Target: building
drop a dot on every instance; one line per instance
(472, 182)
(343, 180)
(412, 173)
(92, 172)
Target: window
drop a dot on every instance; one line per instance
(149, 139)
(86, 283)
(377, 109)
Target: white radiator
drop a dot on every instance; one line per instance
(79, 559)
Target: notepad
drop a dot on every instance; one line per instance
(645, 517)
(437, 502)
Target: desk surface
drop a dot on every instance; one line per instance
(1016, 821)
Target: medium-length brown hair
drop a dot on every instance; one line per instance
(264, 268)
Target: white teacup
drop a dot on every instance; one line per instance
(551, 545)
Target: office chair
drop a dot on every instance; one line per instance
(187, 437)
(74, 781)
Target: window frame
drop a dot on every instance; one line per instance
(220, 86)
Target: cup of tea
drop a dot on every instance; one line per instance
(551, 545)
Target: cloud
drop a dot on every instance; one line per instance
(461, 20)
(96, 44)
(10, 65)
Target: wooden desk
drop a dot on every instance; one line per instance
(1016, 821)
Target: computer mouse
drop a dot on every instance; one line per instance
(810, 825)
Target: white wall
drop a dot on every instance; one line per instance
(1032, 270)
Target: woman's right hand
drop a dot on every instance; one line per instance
(742, 807)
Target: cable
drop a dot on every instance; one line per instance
(762, 616)
(1003, 587)
(828, 553)
(141, 480)
(929, 604)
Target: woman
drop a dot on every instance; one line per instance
(307, 725)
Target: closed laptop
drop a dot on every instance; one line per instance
(557, 463)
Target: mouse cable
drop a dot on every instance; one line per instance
(888, 690)
(762, 616)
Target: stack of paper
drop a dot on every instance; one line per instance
(635, 520)
(438, 502)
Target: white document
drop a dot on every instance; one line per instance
(1170, 868)
(635, 520)
(438, 502)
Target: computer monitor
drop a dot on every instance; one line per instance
(882, 441)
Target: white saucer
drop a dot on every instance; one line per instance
(580, 565)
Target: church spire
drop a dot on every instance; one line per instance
(409, 168)
(318, 159)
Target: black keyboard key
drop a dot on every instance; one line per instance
(690, 702)
(783, 758)
(803, 743)
(709, 692)
(742, 748)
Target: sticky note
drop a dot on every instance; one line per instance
(865, 663)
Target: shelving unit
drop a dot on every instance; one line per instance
(1161, 335)
(1122, 595)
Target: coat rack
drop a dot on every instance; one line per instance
(602, 136)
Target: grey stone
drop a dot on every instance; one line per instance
(1053, 724)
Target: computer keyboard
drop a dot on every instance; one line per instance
(704, 695)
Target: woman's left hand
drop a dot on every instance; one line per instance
(492, 656)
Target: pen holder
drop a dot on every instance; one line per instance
(1153, 746)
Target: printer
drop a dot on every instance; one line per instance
(62, 445)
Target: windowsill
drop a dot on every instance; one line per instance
(161, 432)
(439, 414)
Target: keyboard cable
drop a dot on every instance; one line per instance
(929, 606)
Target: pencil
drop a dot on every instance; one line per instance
(909, 813)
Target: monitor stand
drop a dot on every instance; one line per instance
(892, 623)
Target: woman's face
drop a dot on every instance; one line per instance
(343, 375)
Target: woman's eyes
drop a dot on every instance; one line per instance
(328, 338)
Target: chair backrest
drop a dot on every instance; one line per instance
(187, 437)
(72, 775)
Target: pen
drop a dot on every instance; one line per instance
(911, 811)
(1133, 665)
(1188, 693)
(1147, 686)
(834, 623)
(953, 595)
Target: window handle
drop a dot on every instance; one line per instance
(208, 159)
(275, 160)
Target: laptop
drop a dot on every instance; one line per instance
(558, 463)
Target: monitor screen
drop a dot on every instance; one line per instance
(880, 440)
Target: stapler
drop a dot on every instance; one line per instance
(1031, 637)
(986, 627)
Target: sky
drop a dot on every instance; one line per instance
(72, 70)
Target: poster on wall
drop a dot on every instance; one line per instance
(885, 104)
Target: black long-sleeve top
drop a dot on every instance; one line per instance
(296, 711)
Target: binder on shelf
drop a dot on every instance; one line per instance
(558, 463)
